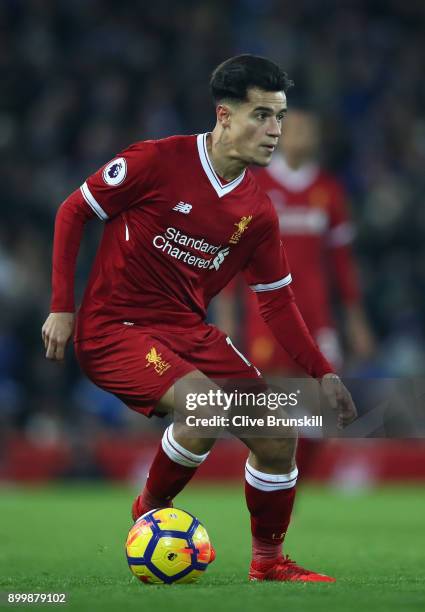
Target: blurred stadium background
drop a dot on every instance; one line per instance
(82, 79)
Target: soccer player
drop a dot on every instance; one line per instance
(183, 216)
(316, 228)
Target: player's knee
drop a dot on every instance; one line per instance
(276, 453)
(185, 436)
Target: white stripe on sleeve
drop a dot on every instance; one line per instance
(92, 202)
(272, 286)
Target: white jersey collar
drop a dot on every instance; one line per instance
(294, 180)
(221, 188)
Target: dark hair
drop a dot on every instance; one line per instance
(232, 79)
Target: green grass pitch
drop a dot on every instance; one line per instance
(71, 539)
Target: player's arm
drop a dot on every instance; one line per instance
(71, 218)
(126, 181)
(268, 276)
(281, 314)
(345, 274)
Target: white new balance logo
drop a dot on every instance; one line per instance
(183, 207)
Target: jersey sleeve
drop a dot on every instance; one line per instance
(127, 180)
(268, 269)
(268, 276)
(71, 218)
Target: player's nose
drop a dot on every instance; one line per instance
(274, 128)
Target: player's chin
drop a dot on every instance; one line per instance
(262, 160)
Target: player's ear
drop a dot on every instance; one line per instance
(223, 115)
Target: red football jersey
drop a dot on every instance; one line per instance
(316, 230)
(175, 234)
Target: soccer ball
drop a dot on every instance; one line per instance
(168, 546)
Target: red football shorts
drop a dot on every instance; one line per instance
(139, 365)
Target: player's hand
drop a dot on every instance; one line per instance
(56, 331)
(339, 398)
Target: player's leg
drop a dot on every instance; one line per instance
(142, 371)
(270, 486)
(271, 472)
(179, 455)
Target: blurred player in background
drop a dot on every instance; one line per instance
(317, 232)
(183, 216)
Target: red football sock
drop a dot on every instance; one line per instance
(171, 470)
(166, 479)
(270, 498)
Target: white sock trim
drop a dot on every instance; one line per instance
(177, 453)
(270, 482)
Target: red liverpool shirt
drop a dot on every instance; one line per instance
(175, 234)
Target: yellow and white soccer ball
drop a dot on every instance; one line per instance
(168, 546)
